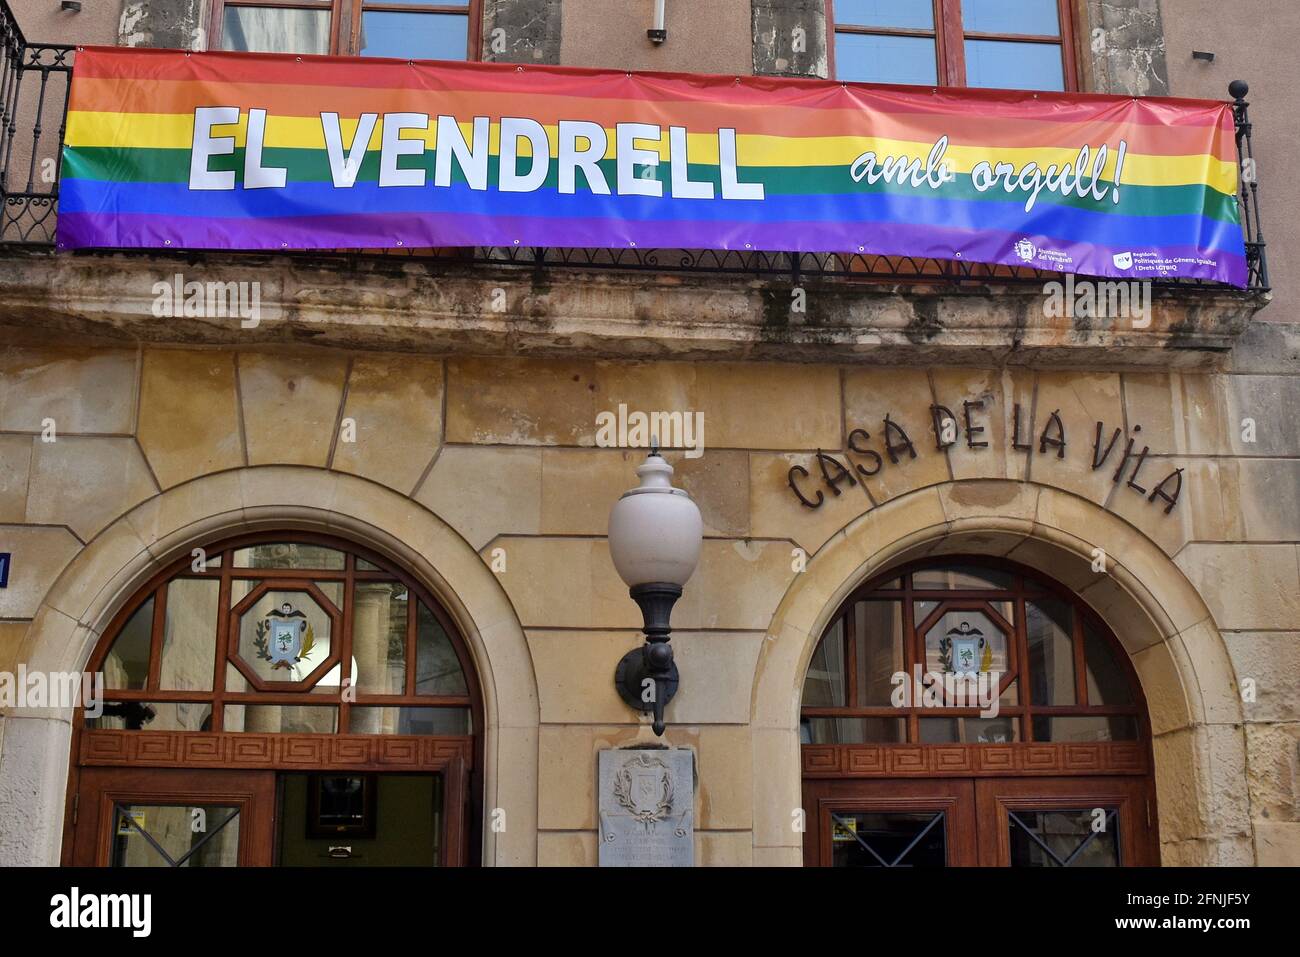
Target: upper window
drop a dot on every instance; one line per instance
(406, 29)
(968, 653)
(297, 635)
(1011, 44)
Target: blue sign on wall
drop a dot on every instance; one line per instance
(4, 569)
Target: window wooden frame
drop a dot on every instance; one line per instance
(897, 585)
(347, 43)
(950, 36)
(271, 579)
(458, 757)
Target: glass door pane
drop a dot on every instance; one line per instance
(175, 835)
(174, 817)
(884, 823)
(1065, 822)
(885, 839)
(1064, 837)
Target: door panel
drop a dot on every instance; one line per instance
(890, 823)
(993, 822)
(1065, 822)
(171, 818)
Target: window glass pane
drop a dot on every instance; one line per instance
(275, 30)
(282, 719)
(240, 587)
(127, 663)
(379, 637)
(177, 837)
(1036, 17)
(1011, 694)
(416, 36)
(365, 566)
(852, 730)
(284, 636)
(948, 577)
(367, 720)
(824, 685)
(236, 682)
(1107, 682)
(888, 839)
(189, 635)
(289, 555)
(1066, 838)
(153, 716)
(921, 609)
(869, 58)
(1002, 730)
(1085, 728)
(906, 14)
(937, 730)
(1049, 631)
(878, 629)
(437, 669)
(333, 591)
(999, 64)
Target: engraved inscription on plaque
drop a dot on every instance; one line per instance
(646, 802)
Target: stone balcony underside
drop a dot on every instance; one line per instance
(431, 306)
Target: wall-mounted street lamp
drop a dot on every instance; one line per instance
(655, 532)
(659, 32)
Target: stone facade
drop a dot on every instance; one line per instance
(156, 448)
(125, 441)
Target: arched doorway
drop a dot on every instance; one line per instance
(971, 711)
(280, 698)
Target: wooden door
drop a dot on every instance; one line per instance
(1066, 822)
(925, 823)
(144, 817)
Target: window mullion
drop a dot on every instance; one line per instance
(158, 634)
(412, 652)
(952, 54)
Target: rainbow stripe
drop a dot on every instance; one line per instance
(131, 123)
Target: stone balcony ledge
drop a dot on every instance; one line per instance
(445, 307)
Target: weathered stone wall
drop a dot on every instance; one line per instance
(503, 451)
(790, 38)
(1255, 40)
(175, 24)
(521, 31)
(1122, 47)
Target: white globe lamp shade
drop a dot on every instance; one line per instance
(655, 530)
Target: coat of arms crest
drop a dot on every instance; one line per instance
(284, 637)
(644, 788)
(965, 651)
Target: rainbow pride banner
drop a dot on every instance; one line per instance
(252, 151)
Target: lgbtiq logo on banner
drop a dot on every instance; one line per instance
(251, 151)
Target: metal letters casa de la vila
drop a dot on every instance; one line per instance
(864, 461)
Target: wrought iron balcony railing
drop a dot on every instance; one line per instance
(34, 83)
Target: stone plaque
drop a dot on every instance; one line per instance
(646, 800)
